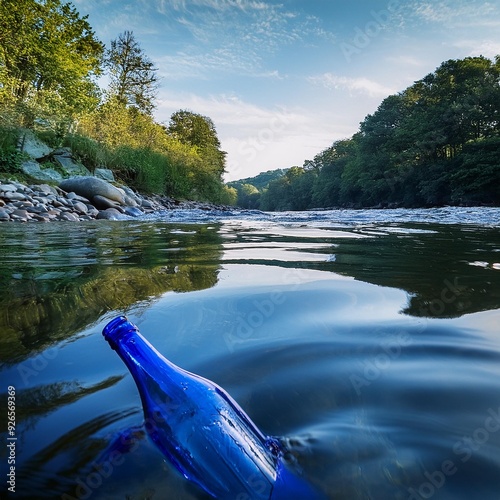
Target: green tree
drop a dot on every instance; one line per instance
(199, 131)
(49, 57)
(476, 176)
(435, 143)
(248, 196)
(275, 197)
(330, 165)
(229, 196)
(134, 81)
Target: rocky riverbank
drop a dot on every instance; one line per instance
(81, 199)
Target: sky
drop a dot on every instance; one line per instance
(283, 79)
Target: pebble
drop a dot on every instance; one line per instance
(19, 214)
(13, 195)
(44, 203)
(80, 207)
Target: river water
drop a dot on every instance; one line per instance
(368, 341)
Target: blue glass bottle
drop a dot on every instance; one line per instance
(200, 429)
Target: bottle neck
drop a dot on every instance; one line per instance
(140, 357)
(118, 331)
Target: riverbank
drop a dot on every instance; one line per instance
(44, 203)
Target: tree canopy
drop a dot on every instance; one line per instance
(435, 143)
(133, 75)
(49, 56)
(199, 131)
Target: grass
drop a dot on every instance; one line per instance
(144, 169)
(10, 157)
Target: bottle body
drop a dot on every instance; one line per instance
(199, 428)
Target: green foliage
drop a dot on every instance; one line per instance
(10, 160)
(250, 190)
(10, 157)
(143, 168)
(144, 154)
(229, 196)
(248, 196)
(293, 191)
(133, 75)
(476, 176)
(436, 143)
(49, 56)
(88, 151)
(199, 131)
(50, 137)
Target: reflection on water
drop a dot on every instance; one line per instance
(371, 348)
(56, 280)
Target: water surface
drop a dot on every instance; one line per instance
(367, 340)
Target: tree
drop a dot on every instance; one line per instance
(199, 131)
(435, 143)
(248, 196)
(133, 75)
(331, 164)
(48, 54)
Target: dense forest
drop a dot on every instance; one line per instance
(249, 190)
(50, 65)
(436, 143)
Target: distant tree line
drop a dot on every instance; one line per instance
(248, 191)
(50, 62)
(436, 143)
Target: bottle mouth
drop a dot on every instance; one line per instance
(116, 329)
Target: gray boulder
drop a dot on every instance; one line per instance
(128, 192)
(111, 214)
(133, 211)
(28, 143)
(102, 203)
(63, 158)
(45, 189)
(89, 187)
(4, 188)
(32, 168)
(69, 165)
(105, 174)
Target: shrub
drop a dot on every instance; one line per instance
(88, 151)
(10, 157)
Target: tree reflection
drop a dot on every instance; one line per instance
(439, 269)
(58, 278)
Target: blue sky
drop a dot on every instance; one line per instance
(282, 80)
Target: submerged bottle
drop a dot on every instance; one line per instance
(200, 429)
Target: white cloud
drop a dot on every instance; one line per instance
(219, 5)
(258, 138)
(353, 85)
(194, 64)
(244, 31)
(228, 111)
(486, 48)
(456, 13)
